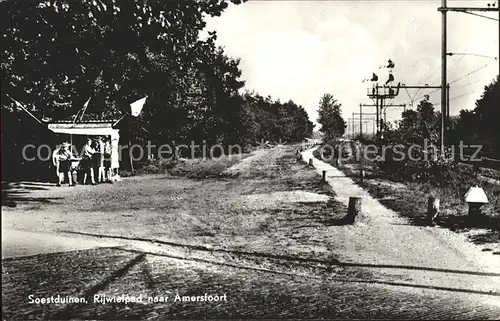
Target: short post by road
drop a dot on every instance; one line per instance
(476, 198)
(323, 179)
(476, 169)
(310, 162)
(432, 209)
(353, 209)
(361, 174)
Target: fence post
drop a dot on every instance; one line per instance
(353, 209)
(432, 209)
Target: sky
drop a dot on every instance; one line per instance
(303, 49)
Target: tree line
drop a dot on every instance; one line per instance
(57, 54)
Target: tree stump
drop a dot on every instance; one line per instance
(432, 209)
(353, 209)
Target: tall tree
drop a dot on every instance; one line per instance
(480, 125)
(58, 53)
(330, 117)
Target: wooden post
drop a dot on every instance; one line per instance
(476, 169)
(474, 209)
(353, 209)
(131, 156)
(432, 209)
(324, 177)
(361, 174)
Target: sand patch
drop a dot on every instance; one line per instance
(266, 200)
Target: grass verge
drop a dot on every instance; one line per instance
(409, 199)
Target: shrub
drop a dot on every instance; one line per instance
(438, 170)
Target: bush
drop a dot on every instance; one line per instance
(438, 170)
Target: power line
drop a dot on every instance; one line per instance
(468, 74)
(470, 54)
(480, 15)
(456, 80)
(456, 97)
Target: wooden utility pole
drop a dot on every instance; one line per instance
(448, 107)
(377, 110)
(360, 114)
(444, 81)
(444, 87)
(360, 120)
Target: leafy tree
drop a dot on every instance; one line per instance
(263, 119)
(330, 118)
(58, 53)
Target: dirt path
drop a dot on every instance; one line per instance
(380, 236)
(264, 236)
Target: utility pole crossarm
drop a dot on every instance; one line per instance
(420, 87)
(459, 9)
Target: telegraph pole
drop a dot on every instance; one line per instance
(443, 71)
(360, 120)
(444, 89)
(376, 107)
(447, 107)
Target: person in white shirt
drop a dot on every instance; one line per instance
(62, 161)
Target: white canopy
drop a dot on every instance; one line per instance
(92, 129)
(87, 129)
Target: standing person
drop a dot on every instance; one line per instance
(64, 157)
(107, 158)
(99, 159)
(86, 164)
(55, 162)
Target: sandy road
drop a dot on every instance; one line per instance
(263, 240)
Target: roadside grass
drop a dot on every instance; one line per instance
(409, 199)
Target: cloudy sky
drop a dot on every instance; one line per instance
(300, 50)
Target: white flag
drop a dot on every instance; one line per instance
(136, 106)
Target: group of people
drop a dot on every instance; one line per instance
(96, 158)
